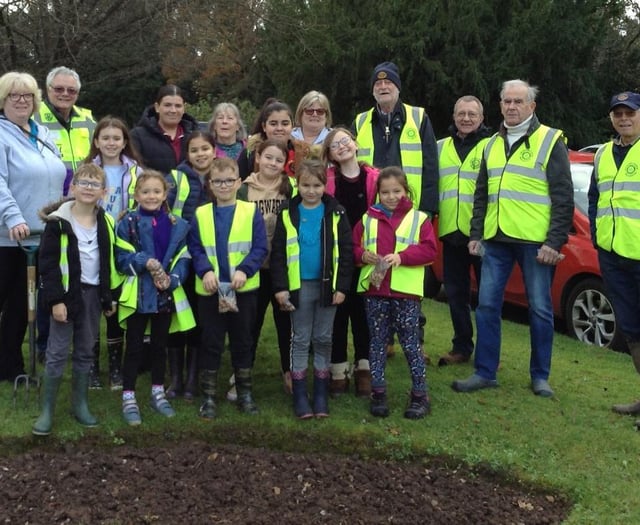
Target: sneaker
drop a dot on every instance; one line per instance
(419, 406)
(160, 404)
(94, 380)
(131, 412)
(378, 405)
(541, 388)
(115, 380)
(453, 358)
(473, 383)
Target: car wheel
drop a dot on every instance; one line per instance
(431, 284)
(589, 315)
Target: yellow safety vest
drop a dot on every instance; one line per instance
(404, 279)
(240, 241)
(456, 186)
(181, 181)
(181, 320)
(410, 146)
(618, 212)
(518, 190)
(292, 248)
(74, 144)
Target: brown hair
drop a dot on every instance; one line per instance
(154, 174)
(90, 171)
(219, 165)
(326, 145)
(394, 172)
(285, 185)
(112, 122)
(314, 168)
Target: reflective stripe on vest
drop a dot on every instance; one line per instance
(116, 278)
(292, 249)
(456, 186)
(618, 211)
(240, 241)
(410, 146)
(518, 192)
(183, 189)
(404, 279)
(74, 144)
(64, 260)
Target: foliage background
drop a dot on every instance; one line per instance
(579, 52)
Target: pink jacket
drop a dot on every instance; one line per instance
(372, 178)
(421, 254)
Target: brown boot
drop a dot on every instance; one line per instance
(362, 378)
(631, 409)
(339, 383)
(453, 358)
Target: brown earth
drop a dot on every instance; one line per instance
(195, 482)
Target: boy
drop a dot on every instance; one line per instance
(228, 245)
(76, 258)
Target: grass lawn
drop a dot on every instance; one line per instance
(573, 442)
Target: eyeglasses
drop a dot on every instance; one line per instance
(15, 97)
(94, 185)
(59, 90)
(310, 111)
(622, 113)
(344, 141)
(218, 183)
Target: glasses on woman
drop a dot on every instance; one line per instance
(14, 97)
(344, 141)
(92, 184)
(59, 90)
(218, 183)
(317, 111)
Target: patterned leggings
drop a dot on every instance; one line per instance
(386, 316)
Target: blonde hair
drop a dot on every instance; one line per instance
(308, 99)
(19, 80)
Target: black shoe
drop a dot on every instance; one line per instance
(378, 405)
(419, 406)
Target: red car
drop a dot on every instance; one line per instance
(577, 292)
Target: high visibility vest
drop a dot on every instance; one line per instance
(181, 181)
(456, 186)
(404, 279)
(74, 144)
(240, 241)
(292, 248)
(181, 320)
(618, 211)
(518, 190)
(410, 146)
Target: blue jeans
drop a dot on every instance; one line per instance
(497, 265)
(622, 280)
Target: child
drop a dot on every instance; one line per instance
(111, 149)
(311, 266)
(269, 187)
(228, 244)
(392, 234)
(151, 250)
(76, 258)
(186, 194)
(353, 184)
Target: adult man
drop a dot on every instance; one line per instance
(396, 134)
(522, 212)
(459, 157)
(614, 212)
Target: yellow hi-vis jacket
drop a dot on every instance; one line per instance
(518, 191)
(456, 186)
(240, 241)
(410, 146)
(618, 209)
(181, 181)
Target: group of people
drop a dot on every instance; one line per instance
(182, 238)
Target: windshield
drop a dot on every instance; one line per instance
(581, 176)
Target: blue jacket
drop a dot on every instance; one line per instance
(31, 176)
(136, 229)
(197, 193)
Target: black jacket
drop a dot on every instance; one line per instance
(57, 221)
(154, 148)
(278, 263)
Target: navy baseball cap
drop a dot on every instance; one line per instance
(627, 98)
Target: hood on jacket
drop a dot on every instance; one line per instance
(57, 210)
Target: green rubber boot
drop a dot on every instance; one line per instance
(44, 423)
(79, 398)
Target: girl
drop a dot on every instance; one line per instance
(186, 194)
(151, 250)
(228, 244)
(353, 184)
(311, 267)
(269, 187)
(111, 149)
(395, 236)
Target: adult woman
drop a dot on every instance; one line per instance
(163, 130)
(313, 118)
(31, 175)
(228, 130)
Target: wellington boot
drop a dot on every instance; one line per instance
(321, 393)
(634, 350)
(629, 409)
(208, 382)
(79, 399)
(175, 356)
(301, 406)
(114, 350)
(44, 423)
(245, 402)
(191, 385)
